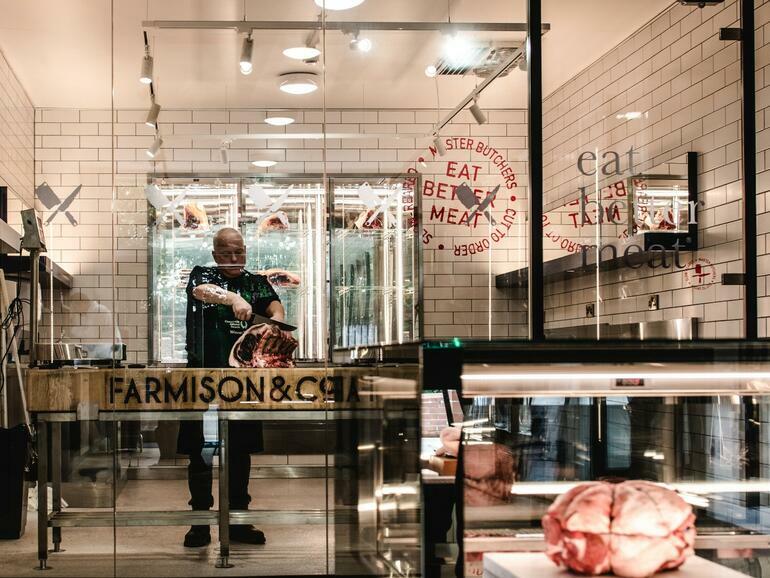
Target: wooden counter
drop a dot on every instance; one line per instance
(179, 389)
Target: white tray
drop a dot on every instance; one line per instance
(536, 565)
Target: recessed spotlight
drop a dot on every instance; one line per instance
(279, 120)
(264, 164)
(302, 52)
(431, 71)
(338, 4)
(298, 83)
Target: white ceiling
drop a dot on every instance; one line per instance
(63, 51)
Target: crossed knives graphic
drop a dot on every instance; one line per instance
(50, 199)
(468, 198)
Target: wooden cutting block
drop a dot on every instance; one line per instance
(444, 465)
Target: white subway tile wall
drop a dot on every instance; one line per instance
(70, 154)
(686, 82)
(762, 77)
(17, 133)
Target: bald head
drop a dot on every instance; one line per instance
(226, 235)
(229, 252)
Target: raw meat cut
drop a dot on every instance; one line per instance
(195, 217)
(282, 278)
(263, 346)
(633, 529)
(278, 221)
(488, 470)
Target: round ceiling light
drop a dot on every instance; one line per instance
(431, 71)
(279, 120)
(264, 164)
(302, 52)
(338, 4)
(298, 83)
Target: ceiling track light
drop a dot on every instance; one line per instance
(152, 114)
(438, 142)
(477, 113)
(147, 63)
(224, 154)
(360, 44)
(247, 50)
(154, 149)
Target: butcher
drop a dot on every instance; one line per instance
(220, 303)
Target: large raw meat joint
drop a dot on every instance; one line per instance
(633, 529)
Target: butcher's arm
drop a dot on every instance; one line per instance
(210, 293)
(276, 311)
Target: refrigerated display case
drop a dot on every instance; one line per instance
(284, 228)
(375, 261)
(539, 420)
(364, 241)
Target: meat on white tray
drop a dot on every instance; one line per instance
(633, 529)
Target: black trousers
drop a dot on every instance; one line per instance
(245, 438)
(200, 479)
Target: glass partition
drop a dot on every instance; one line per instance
(375, 261)
(642, 184)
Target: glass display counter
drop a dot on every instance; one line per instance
(539, 420)
(343, 474)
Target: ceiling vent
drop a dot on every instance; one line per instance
(479, 61)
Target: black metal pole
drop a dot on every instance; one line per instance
(749, 168)
(535, 133)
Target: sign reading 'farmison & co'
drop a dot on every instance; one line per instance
(228, 388)
(197, 389)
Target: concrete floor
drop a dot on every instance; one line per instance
(158, 551)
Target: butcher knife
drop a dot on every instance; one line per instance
(257, 319)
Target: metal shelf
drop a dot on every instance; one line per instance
(101, 519)
(577, 265)
(10, 239)
(20, 264)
